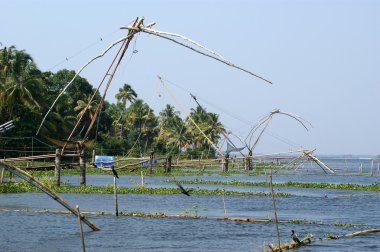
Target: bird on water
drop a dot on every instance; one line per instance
(183, 190)
(295, 238)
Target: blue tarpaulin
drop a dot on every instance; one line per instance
(105, 161)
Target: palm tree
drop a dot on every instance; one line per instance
(167, 115)
(214, 128)
(173, 131)
(126, 93)
(140, 119)
(21, 81)
(199, 116)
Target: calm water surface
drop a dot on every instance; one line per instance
(27, 231)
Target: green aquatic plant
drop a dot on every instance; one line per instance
(331, 236)
(343, 224)
(19, 187)
(191, 211)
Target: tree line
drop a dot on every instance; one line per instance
(127, 126)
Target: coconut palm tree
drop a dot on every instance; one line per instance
(172, 129)
(21, 81)
(125, 94)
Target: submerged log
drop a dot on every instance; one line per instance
(307, 240)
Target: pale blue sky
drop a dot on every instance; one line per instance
(322, 56)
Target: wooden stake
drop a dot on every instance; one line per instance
(142, 180)
(275, 211)
(81, 230)
(169, 167)
(151, 162)
(372, 170)
(2, 175)
(115, 194)
(224, 206)
(93, 156)
(82, 167)
(225, 163)
(57, 169)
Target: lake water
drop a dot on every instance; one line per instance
(27, 231)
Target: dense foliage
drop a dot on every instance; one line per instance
(129, 126)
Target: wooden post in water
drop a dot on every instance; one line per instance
(142, 185)
(151, 162)
(57, 168)
(93, 156)
(82, 168)
(81, 229)
(372, 170)
(169, 167)
(2, 176)
(225, 163)
(115, 195)
(275, 211)
(247, 161)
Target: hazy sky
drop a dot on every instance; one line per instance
(322, 56)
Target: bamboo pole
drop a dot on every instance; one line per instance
(224, 205)
(142, 180)
(115, 195)
(81, 230)
(275, 211)
(31, 180)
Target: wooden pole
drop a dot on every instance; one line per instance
(93, 156)
(115, 195)
(372, 170)
(225, 163)
(2, 175)
(169, 164)
(275, 211)
(224, 205)
(82, 167)
(151, 162)
(247, 161)
(142, 180)
(31, 180)
(81, 230)
(57, 168)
